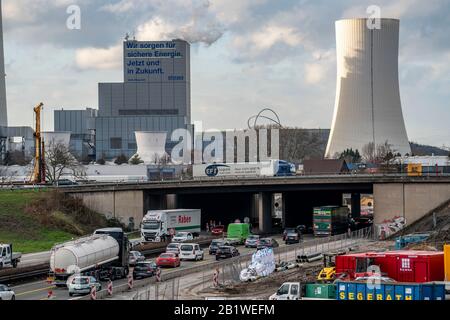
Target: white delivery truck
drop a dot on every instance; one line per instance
(159, 225)
(8, 258)
(270, 168)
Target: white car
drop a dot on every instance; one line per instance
(135, 257)
(182, 236)
(83, 285)
(173, 247)
(6, 293)
(191, 251)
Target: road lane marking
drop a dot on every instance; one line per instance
(37, 290)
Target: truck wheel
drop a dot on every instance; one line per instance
(70, 294)
(14, 264)
(127, 271)
(13, 298)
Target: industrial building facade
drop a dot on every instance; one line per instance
(155, 96)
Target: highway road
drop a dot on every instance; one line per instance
(38, 290)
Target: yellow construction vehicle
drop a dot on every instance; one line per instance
(328, 273)
(38, 175)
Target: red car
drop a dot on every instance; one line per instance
(218, 230)
(168, 260)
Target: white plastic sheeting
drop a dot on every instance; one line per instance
(262, 265)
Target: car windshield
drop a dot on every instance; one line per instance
(187, 248)
(181, 234)
(292, 234)
(253, 237)
(172, 246)
(216, 242)
(151, 225)
(225, 249)
(166, 255)
(80, 281)
(264, 241)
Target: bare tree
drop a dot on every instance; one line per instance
(368, 152)
(59, 161)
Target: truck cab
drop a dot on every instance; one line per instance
(7, 257)
(287, 291)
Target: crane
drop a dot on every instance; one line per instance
(39, 163)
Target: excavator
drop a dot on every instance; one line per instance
(38, 175)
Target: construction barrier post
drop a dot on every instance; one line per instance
(216, 277)
(158, 275)
(130, 282)
(110, 288)
(94, 293)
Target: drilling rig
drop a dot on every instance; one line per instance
(39, 161)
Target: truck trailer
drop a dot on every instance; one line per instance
(103, 255)
(270, 168)
(159, 225)
(330, 220)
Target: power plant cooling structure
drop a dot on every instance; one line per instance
(367, 107)
(151, 146)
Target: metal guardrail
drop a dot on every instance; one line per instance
(25, 275)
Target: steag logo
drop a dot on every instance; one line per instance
(213, 170)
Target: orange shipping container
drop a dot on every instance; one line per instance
(447, 261)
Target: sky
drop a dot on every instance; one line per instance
(245, 55)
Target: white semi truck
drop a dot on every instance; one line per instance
(103, 255)
(270, 168)
(159, 225)
(8, 258)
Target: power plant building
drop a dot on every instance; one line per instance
(155, 96)
(367, 107)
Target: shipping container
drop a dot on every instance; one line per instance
(330, 220)
(402, 265)
(447, 261)
(358, 290)
(323, 291)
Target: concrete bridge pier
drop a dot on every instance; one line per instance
(264, 207)
(356, 205)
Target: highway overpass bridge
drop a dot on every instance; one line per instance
(225, 200)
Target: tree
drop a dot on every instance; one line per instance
(368, 152)
(350, 156)
(136, 160)
(59, 161)
(121, 159)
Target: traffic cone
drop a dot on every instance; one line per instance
(50, 294)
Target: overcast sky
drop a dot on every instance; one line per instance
(246, 54)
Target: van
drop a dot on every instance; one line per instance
(237, 233)
(287, 291)
(191, 251)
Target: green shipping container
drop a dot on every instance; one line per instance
(322, 291)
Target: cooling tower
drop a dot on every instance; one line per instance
(367, 107)
(3, 110)
(52, 138)
(151, 145)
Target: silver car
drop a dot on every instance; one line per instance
(6, 293)
(135, 257)
(83, 285)
(173, 247)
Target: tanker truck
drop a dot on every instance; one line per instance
(103, 255)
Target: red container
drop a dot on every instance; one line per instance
(404, 266)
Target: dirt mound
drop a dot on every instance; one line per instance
(56, 210)
(437, 222)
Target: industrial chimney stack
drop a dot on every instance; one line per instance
(3, 110)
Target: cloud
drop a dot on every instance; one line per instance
(99, 58)
(314, 73)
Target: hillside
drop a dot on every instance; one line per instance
(34, 221)
(425, 150)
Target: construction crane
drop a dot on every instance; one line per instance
(39, 161)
